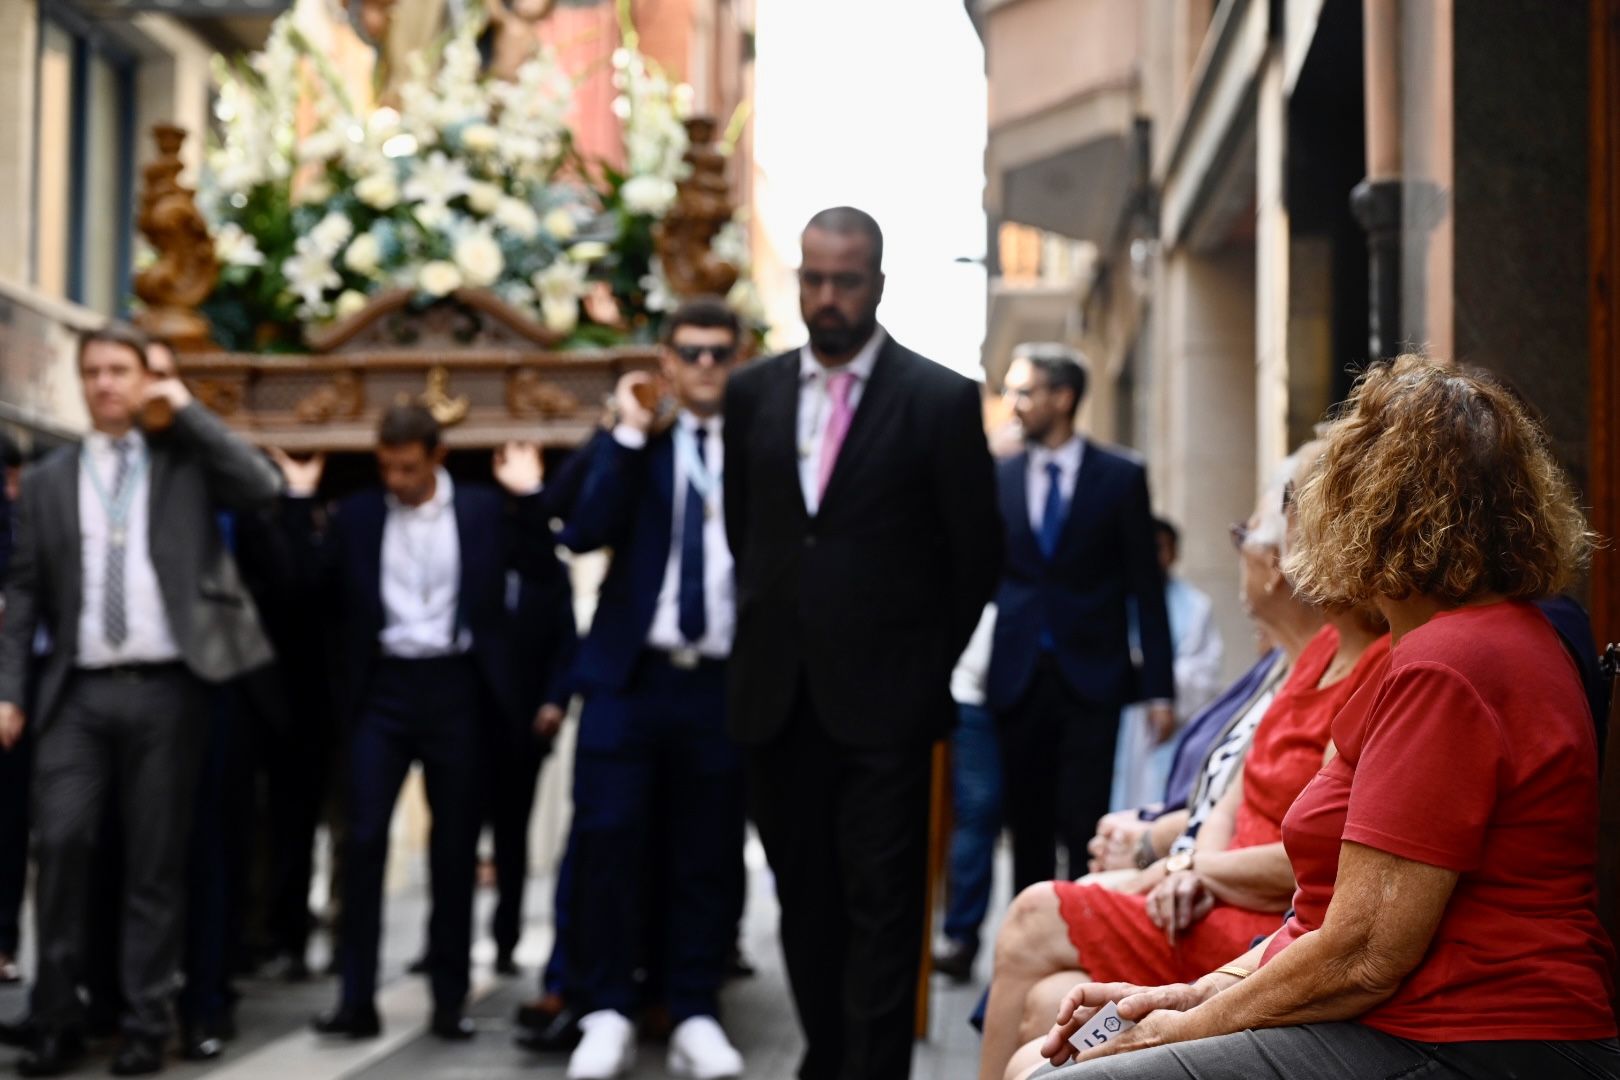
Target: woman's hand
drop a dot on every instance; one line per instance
(1177, 902)
(1114, 847)
(1154, 1009)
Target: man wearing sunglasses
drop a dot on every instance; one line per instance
(657, 784)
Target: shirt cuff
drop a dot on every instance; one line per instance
(628, 437)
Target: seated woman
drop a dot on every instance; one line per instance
(1445, 923)
(1227, 879)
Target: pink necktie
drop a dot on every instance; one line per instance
(839, 383)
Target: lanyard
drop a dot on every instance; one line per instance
(116, 509)
(698, 472)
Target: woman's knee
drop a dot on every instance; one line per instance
(1033, 937)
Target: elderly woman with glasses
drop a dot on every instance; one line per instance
(1445, 923)
(1226, 879)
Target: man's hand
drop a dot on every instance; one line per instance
(519, 469)
(12, 722)
(171, 390)
(548, 721)
(636, 406)
(302, 477)
(1161, 720)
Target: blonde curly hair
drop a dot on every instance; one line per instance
(1436, 482)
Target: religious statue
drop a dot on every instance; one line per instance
(184, 271)
(701, 209)
(515, 25)
(399, 30)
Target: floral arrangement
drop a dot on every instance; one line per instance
(318, 202)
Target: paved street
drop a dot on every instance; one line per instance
(274, 1042)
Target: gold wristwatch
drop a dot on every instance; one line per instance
(1177, 862)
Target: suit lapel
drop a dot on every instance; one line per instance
(1085, 486)
(779, 412)
(369, 543)
(64, 490)
(1015, 473)
(878, 399)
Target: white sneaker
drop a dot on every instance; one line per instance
(607, 1048)
(700, 1050)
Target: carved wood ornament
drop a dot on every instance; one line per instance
(185, 269)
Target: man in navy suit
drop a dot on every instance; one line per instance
(418, 574)
(653, 758)
(1080, 552)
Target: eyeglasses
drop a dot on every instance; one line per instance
(1288, 496)
(1239, 532)
(691, 354)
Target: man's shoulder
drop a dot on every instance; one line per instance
(1118, 458)
(927, 375)
(749, 377)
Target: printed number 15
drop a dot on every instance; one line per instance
(1097, 1035)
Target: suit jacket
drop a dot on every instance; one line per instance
(627, 504)
(1106, 558)
(197, 467)
(871, 600)
(344, 555)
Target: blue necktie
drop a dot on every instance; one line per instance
(1052, 516)
(690, 602)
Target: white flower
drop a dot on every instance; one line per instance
(364, 254)
(559, 287)
(437, 180)
(379, 191)
(660, 297)
(588, 251)
(745, 300)
(350, 303)
(323, 145)
(433, 215)
(309, 272)
(648, 195)
(517, 217)
(483, 198)
(560, 224)
(438, 278)
(561, 315)
(331, 233)
(317, 190)
(235, 246)
(480, 138)
(478, 257)
(731, 244)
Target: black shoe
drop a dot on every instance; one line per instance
(955, 959)
(138, 1055)
(452, 1026)
(547, 1026)
(52, 1054)
(349, 1022)
(419, 966)
(203, 1042)
(505, 965)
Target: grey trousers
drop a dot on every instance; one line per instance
(1349, 1051)
(134, 736)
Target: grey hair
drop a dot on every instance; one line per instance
(1272, 527)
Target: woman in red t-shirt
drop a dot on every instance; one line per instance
(1445, 923)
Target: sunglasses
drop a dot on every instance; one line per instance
(691, 354)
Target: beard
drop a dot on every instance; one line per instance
(831, 334)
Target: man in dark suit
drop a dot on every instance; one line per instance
(417, 574)
(1080, 548)
(653, 759)
(860, 504)
(138, 627)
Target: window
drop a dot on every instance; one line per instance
(84, 162)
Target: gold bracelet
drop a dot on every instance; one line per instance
(1233, 969)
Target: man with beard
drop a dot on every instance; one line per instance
(860, 505)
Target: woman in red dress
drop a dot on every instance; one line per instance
(1227, 879)
(1445, 923)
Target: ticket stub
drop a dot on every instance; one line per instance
(1105, 1025)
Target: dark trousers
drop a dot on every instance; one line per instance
(16, 767)
(132, 735)
(516, 772)
(846, 830)
(1350, 1051)
(294, 751)
(1057, 754)
(555, 978)
(975, 822)
(654, 761)
(427, 711)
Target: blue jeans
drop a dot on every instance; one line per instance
(976, 803)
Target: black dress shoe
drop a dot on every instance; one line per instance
(203, 1042)
(505, 965)
(453, 1027)
(138, 1055)
(349, 1022)
(955, 959)
(53, 1054)
(547, 1026)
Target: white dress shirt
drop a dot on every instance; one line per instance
(421, 577)
(816, 405)
(1036, 480)
(149, 639)
(720, 605)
